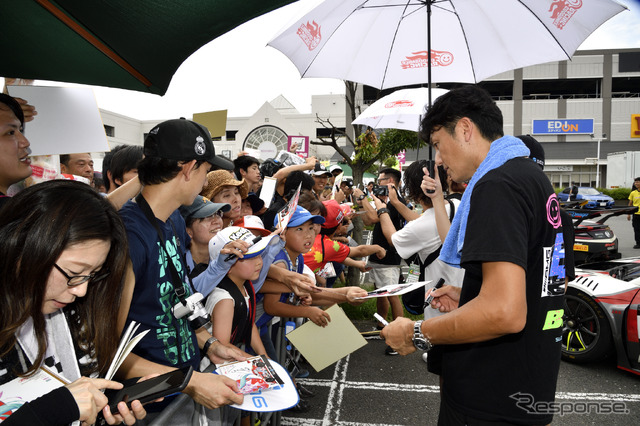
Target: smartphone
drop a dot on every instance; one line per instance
(432, 172)
(152, 389)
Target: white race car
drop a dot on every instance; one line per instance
(601, 313)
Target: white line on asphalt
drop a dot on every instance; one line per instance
(577, 396)
(331, 415)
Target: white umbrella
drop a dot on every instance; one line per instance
(391, 43)
(402, 109)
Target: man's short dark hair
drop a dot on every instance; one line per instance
(469, 101)
(106, 164)
(244, 162)
(294, 179)
(393, 173)
(125, 159)
(14, 106)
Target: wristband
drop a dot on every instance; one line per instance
(210, 341)
(383, 211)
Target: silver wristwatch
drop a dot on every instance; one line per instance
(420, 341)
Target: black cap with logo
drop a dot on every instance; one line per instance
(183, 140)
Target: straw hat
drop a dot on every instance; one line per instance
(218, 179)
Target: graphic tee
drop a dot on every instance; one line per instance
(514, 217)
(634, 197)
(325, 250)
(171, 340)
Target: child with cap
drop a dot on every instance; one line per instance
(233, 302)
(223, 188)
(325, 250)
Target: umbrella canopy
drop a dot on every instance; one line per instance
(387, 43)
(402, 109)
(129, 44)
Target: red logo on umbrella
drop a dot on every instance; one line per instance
(421, 59)
(398, 104)
(563, 10)
(310, 34)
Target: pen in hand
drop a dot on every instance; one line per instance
(429, 299)
(233, 256)
(380, 319)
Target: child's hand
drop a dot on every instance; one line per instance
(318, 316)
(305, 299)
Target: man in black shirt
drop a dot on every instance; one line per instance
(502, 335)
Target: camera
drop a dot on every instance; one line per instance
(193, 308)
(381, 191)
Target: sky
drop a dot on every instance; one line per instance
(238, 72)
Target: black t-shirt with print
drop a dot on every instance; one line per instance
(514, 217)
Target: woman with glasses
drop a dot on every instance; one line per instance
(63, 253)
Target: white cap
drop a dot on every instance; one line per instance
(235, 233)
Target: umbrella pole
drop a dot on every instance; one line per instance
(428, 4)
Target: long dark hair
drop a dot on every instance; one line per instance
(36, 226)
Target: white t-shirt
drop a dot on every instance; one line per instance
(420, 235)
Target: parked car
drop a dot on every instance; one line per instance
(601, 312)
(595, 199)
(594, 240)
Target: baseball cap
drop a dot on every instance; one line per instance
(202, 207)
(300, 216)
(183, 140)
(235, 233)
(334, 214)
(348, 182)
(320, 170)
(536, 152)
(346, 209)
(253, 223)
(219, 178)
(335, 168)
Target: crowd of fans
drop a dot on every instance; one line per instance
(176, 223)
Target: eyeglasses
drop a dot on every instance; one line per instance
(219, 213)
(380, 180)
(75, 280)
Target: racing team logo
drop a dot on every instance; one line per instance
(563, 10)
(310, 34)
(398, 104)
(421, 59)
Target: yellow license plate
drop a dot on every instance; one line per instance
(580, 247)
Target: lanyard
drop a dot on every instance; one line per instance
(178, 284)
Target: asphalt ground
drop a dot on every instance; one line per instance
(371, 388)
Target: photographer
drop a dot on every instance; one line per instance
(386, 270)
(425, 235)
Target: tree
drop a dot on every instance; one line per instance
(368, 148)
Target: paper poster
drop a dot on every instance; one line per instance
(285, 214)
(322, 346)
(68, 120)
(278, 397)
(394, 289)
(268, 189)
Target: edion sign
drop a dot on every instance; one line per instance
(563, 127)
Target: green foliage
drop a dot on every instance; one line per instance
(616, 193)
(370, 146)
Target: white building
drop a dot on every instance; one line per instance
(602, 85)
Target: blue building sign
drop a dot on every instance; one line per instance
(563, 127)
